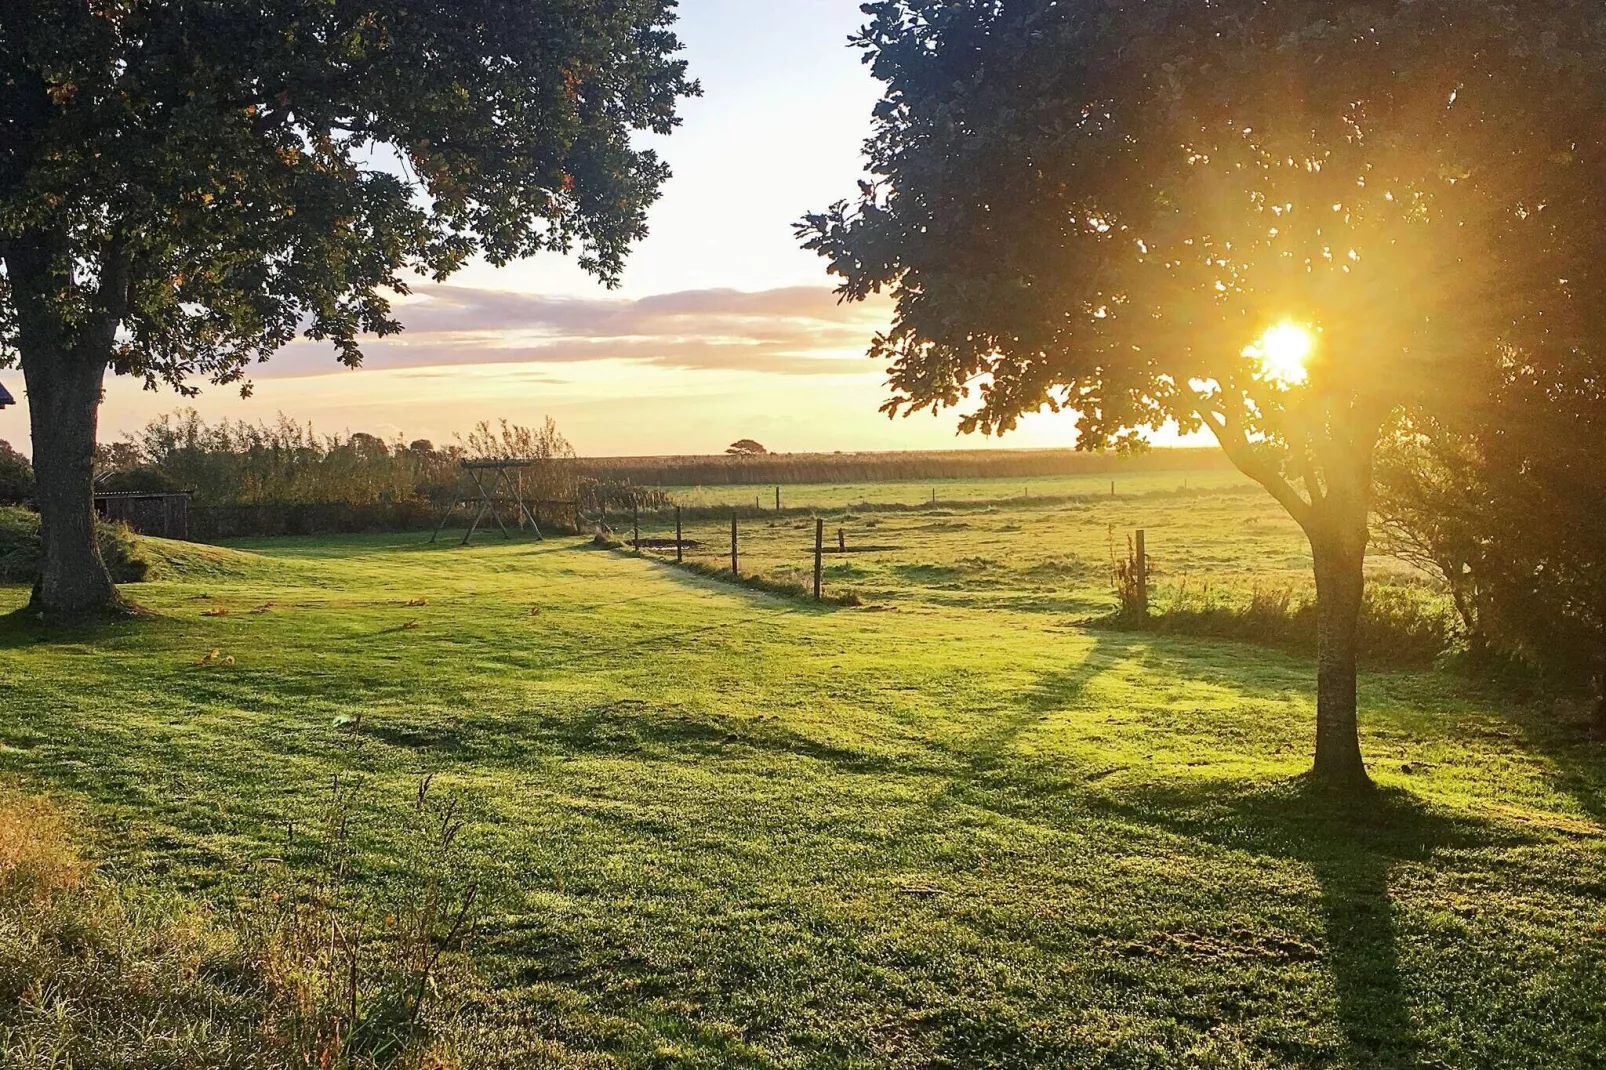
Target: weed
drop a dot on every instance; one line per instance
(307, 974)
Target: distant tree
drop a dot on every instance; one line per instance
(185, 187)
(116, 456)
(16, 476)
(745, 447)
(1147, 213)
(141, 478)
(367, 446)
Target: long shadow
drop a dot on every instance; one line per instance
(21, 628)
(1352, 842)
(623, 729)
(358, 545)
(1573, 747)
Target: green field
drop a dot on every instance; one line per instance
(1051, 556)
(955, 826)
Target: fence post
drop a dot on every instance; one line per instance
(1112, 488)
(841, 540)
(678, 557)
(635, 523)
(777, 498)
(1142, 576)
(819, 550)
(734, 570)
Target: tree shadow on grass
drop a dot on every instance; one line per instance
(1576, 755)
(1352, 842)
(22, 627)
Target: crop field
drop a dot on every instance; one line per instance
(952, 491)
(960, 824)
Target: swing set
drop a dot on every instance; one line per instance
(488, 479)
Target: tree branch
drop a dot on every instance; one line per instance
(1236, 445)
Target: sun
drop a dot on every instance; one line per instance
(1283, 353)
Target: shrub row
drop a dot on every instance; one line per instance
(211, 523)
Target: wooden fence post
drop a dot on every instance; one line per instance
(678, 558)
(1142, 576)
(777, 499)
(841, 541)
(819, 550)
(1112, 488)
(734, 570)
(635, 523)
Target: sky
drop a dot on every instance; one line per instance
(721, 329)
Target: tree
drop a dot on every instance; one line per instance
(186, 186)
(1282, 222)
(745, 447)
(1506, 503)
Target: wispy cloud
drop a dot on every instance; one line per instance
(788, 331)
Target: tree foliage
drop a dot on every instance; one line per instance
(1099, 206)
(1506, 504)
(197, 182)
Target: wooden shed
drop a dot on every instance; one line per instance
(163, 515)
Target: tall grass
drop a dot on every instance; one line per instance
(314, 971)
(1401, 625)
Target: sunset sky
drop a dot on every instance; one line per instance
(722, 328)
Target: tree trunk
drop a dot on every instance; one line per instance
(1340, 583)
(63, 407)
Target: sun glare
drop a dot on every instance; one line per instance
(1282, 353)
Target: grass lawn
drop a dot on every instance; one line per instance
(938, 830)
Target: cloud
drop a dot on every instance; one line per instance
(788, 331)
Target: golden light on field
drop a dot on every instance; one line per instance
(1283, 353)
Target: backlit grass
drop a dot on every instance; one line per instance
(952, 827)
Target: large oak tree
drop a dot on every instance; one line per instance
(187, 185)
(1102, 206)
